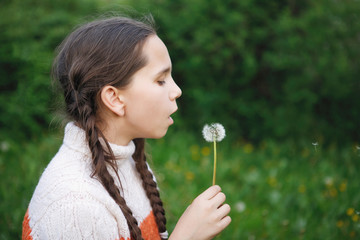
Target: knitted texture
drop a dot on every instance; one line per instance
(69, 204)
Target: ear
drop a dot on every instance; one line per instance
(111, 98)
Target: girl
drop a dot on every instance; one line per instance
(116, 79)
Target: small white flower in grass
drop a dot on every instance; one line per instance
(240, 206)
(4, 146)
(329, 181)
(315, 144)
(214, 132)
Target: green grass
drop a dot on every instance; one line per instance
(276, 190)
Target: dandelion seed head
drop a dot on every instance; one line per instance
(240, 206)
(4, 146)
(214, 131)
(329, 181)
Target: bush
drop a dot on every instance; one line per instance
(275, 69)
(30, 34)
(278, 69)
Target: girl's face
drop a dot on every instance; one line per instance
(151, 96)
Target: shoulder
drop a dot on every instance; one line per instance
(70, 204)
(78, 215)
(67, 172)
(66, 182)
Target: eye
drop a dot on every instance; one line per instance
(161, 82)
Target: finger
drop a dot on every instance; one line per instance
(224, 222)
(223, 211)
(218, 199)
(210, 192)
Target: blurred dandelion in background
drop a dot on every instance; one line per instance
(240, 206)
(285, 222)
(354, 215)
(329, 181)
(315, 144)
(4, 146)
(342, 187)
(340, 224)
(302, 188)
(195, 152)
(350, 211)
(272, 181)
(189, 176)
(205, 151)
(248, 148)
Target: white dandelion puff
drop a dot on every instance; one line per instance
(240, 206)
(358, 149)
(315, 144)
(329, 181)
(214, 131)
(4, 146)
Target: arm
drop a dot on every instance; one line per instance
(206, 217)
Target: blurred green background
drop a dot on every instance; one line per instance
(282, 76)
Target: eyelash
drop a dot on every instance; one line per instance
(161, 82)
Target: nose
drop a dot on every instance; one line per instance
(175, 92)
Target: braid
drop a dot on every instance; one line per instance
(149, 185)
(100, 160)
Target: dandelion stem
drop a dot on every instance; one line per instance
(214, 173)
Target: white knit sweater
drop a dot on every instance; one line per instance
(69, 204)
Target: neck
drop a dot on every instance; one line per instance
(115, 134)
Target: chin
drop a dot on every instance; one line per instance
(159, 135)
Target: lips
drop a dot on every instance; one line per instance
(170, 118)
(174, 111)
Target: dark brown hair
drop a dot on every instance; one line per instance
(97, 54)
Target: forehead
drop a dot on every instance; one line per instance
(156, 54)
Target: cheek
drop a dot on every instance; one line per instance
(147, 103)
(144, 107)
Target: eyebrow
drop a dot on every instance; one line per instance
(162, 72)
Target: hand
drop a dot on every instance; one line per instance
(204, 218)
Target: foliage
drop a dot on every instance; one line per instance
(279, 69)
(21, 165)
(275, 69)
(276, 191)
(30, 33)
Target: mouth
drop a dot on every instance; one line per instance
(170, 118)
